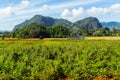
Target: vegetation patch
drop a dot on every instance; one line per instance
(60, 60)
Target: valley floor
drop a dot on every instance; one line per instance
(102, 38)
(86, 38)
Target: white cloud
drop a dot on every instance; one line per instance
(12, 10)
(25, 3)
(72, 15)
(66, 14)
(29, 7)
(6, 12)
(101, 13)
(22, 5)
(24, 8)
(45, 7)
(115, 8)
(77, 12)
(73, 4)
(98, 11)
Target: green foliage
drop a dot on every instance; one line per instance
(34, 31)
(39, 31)
(53, 60)
(3, 37)
(58, 31)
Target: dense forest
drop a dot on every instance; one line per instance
(39, 31)
(58, 31)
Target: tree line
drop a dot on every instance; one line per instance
(39, 31)
(58, 31)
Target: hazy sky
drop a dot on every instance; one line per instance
(13, 12)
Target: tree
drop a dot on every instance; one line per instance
(3, 37)
(32, 31)
(58, 31)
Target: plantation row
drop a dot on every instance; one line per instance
(53, 60)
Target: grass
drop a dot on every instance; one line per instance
(50, 39)
(103, 38)
(59, 59)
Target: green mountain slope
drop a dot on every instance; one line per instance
(111, 25)
(91, 23)
(45, 21)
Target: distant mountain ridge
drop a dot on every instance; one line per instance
(91, 23)
(4, 31)
(111, 25)
(46, 21)
(87, 24)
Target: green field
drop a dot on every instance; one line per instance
(59, 60)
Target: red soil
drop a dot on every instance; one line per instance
(106, 79)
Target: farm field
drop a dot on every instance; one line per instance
(49, 39)
(60, 60)
(102, 38)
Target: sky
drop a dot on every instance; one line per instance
(13, 12)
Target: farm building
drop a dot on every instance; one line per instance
(77, 37)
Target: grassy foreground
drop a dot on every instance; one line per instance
(54, 60)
